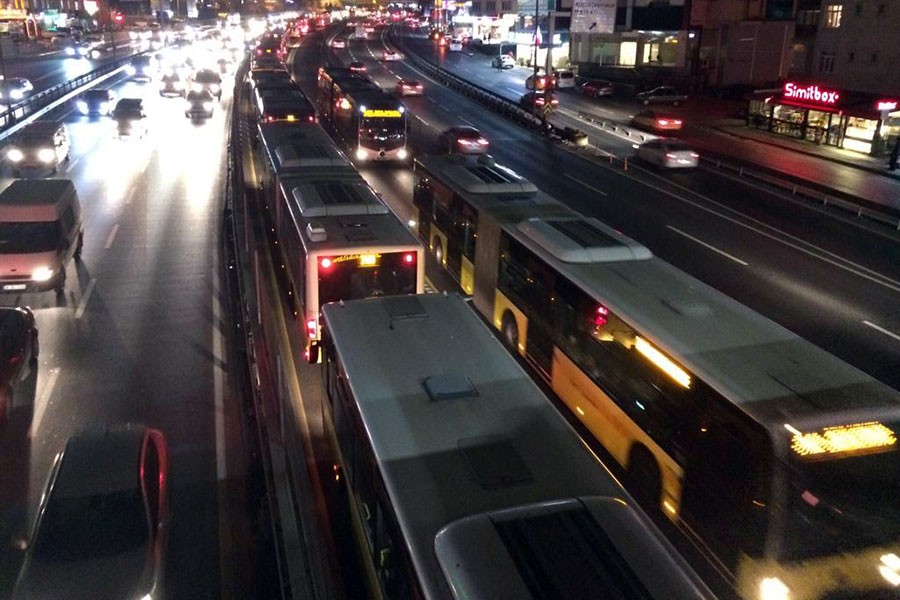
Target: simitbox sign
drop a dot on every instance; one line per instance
(810, 93)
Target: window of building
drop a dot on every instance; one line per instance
(857, 10)
(826, 62)
(779, 10)
(808, 17)
(851, 56)
(506, 6)
(476, 8)
(833, 16)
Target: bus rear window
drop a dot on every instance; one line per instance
(348, 278)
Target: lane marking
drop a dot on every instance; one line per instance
(427, 124)
(84, 299)
(218, 350)
(587, 185)
(882, 330)
(702, 243)
(42, 402)
(111, 237)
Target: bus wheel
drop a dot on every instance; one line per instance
(438, 252)
(643, 479)
(510, 332)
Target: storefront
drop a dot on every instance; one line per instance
(821, 115)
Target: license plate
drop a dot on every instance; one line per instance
(14, 286)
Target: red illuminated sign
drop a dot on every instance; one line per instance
(886, 105)
(810, 93)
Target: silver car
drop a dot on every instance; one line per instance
(668, 153)
(103, 521)
(664, 94)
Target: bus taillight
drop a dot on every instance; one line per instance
(600, 316)
(325, 263)
(312, 329)
(409, 258)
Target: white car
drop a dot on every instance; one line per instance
(668, 153)
(504, 61)
(455, 45)
(391, 55)
(338, 43)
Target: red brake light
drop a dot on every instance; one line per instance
(600, 316)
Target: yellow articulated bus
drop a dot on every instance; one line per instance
(778, 460)
(462, 480)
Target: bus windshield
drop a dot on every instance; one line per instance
(347, 280)
(842, 505)
(383, 130)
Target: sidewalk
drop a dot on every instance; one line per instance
(845, 172)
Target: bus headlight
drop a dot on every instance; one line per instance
(402, 154)
(772, 588)
(15, 155)
(42, 274)
(361, 153)
(46, 155)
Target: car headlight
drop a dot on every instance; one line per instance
(17, 94)
(361, 153)
(130, 69)
(103, 107)
(214, 88)
(15, 155)
(70, 51)
(46, 155)
(42, 274)
(208, 106)
(402, 154)
(197, 87)
(82, 107)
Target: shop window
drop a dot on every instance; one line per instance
(826, 62)
(833, 16)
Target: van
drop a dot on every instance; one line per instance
(564, 78)
(41, 231)
(39, 147)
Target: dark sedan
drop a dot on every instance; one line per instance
(103, 521)
(18, 353)
(97, 101)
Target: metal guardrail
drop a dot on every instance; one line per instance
(514, 112)
(18, 115)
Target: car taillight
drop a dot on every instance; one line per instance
(601, 315)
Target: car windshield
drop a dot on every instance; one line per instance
(96, 95)
(74, 528)
(18, 238)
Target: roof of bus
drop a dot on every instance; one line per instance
(295, 146)
(771, 373)
(457, 426)
(338, 211)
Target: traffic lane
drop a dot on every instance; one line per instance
(870, 246)
(133, 338)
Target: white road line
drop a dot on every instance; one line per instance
(84, 298)
(587, 185)
(702, 243)
(426, 123)
(882, 330)
(111, 237)
(42, 402)
(219, 358)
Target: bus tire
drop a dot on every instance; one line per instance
(510, 331)
(438, 252)
(643, 479)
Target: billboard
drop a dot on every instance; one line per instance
(593, 16)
